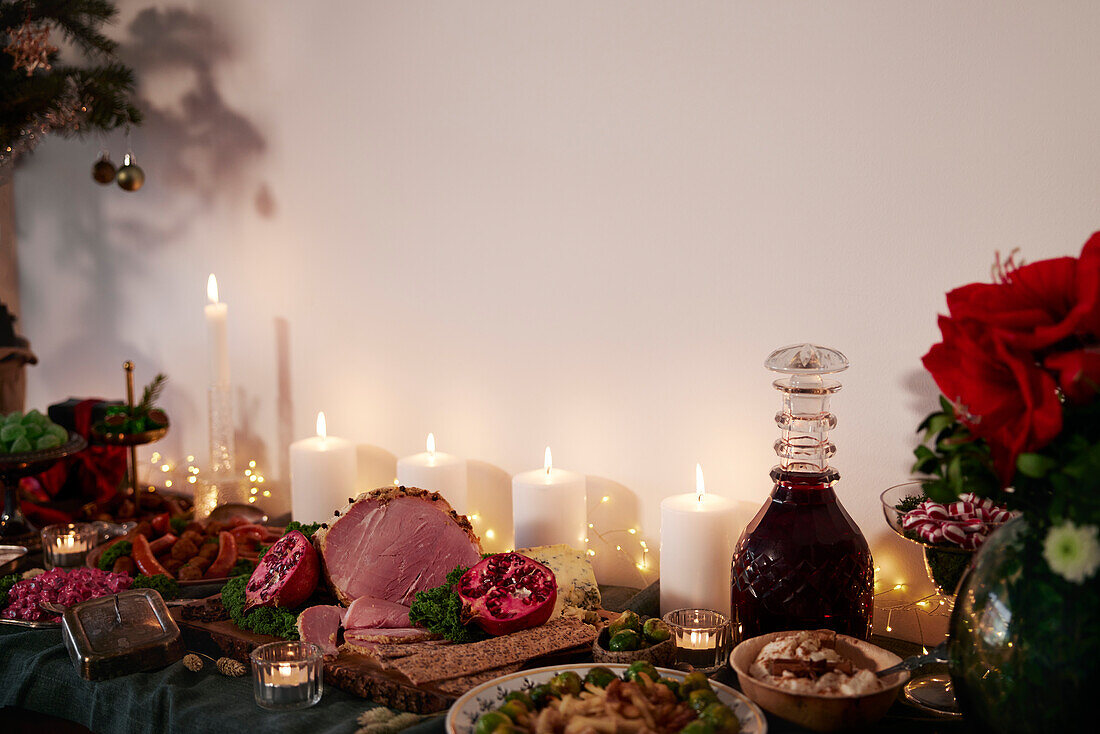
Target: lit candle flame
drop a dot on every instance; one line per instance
(212, 288)
(700, 490)
(322, 431)
(548, 461)
(431, 444)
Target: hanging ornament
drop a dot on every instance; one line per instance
(130, 176)
(30, 47)
(104, 171)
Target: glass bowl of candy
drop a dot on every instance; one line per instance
(948, 533)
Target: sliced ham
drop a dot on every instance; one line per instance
(320, 625)
(367, 612)
(392, 542)
(366, 638)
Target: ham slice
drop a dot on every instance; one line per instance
(367, 612)
(320, 625)
(361, 640)
(392, 542)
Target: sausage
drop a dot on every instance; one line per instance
(160, 523)
(162, 544)
(144, 558)
(257, 533)
(227, 557)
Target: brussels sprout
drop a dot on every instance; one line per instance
(642, 667)
(672, 685)
(699, 726)
(693, 682)
(541, 695)
(624, 641)
(567, 682)
(722, 717)
(627, 621)
(490, 722)
(599, 676)
(523, 697)
(702, 698)
(656, 630)
(514, 710)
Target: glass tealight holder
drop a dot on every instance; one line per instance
(287, 675)
(702, 638)
(67, 546)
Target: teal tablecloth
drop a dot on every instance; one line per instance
(36, 674)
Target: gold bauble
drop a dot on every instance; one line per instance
(104, 171)
(130, 176)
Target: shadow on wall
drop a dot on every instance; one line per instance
(195, 150)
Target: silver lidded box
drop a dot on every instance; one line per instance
(119, 634)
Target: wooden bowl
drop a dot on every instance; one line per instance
(661, 655)
(820, 712)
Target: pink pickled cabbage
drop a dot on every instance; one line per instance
(66, 589)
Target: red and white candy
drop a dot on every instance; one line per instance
(965, 522)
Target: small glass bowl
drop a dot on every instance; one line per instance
(702, 638)
(287, 675)
(67, 546)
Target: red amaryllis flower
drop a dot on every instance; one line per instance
(1078, 373)
(1002, 396)
(1038, 305)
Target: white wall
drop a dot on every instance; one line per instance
(576, 223)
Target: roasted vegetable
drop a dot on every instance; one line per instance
(109, 556)
(275, 621)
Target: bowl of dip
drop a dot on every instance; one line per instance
(817, 679)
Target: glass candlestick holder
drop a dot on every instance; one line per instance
(287, 675)
(67, 546)
(702, 638)
(220, 404)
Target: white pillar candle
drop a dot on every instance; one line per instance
(218, 340)
(549, 506)
(435, 471)
(698, 532)
(322, 475)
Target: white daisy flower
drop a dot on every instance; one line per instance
(1072, 552)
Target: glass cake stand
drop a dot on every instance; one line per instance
(14, 526)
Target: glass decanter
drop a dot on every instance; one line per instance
(802, 563)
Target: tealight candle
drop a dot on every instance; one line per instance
(435, 471)
(702, 638)
(287, 675)
(549, 506)
(698, 532)
(323, 471)
(67, 546)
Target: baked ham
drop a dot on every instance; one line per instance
(392, 542)
(320, 625)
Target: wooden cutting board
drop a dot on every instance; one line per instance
(360, 675)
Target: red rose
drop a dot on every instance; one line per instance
(1078, 373)
(1040, 304)
(1002, 396)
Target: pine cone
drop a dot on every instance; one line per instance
(230, 667)
(192, 662)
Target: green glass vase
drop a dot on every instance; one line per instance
(1024, 642)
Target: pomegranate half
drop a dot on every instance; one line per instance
(507, 592)
(286, 576)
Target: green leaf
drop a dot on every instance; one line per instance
(1035, 465)
(938, 422)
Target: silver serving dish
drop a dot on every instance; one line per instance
(10, 556)
(119, 634)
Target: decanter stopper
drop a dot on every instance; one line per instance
(805, 420)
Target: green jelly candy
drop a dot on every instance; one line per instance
(20, 445)
(47, 442)
(13, 417)
(58, 432)
(12, 431)
(32, 416)
(33, 431)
